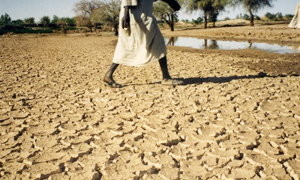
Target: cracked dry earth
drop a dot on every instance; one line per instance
(232, 120)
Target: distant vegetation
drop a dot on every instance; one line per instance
(94, 15)
(212, 8)
(278, 16)
(29, 25)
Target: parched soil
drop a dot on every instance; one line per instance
(237, 117)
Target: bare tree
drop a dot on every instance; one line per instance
(107, 14)
(84, 10)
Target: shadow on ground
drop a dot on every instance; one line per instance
(200, 80)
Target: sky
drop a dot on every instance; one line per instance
(21, 9)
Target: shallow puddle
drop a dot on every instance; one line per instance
(197, 43)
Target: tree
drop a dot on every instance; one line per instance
(55, 19)
(246, 17)
(67, 20)
(217, 7)
(279, 16)
(5, 19)
(84, 10)
(107, 14)
(253, 6)
(29, 20)
(17, 22)
(45, 20)
(209, 7)
(288, 16)
(185, 20)
(64, 23)
(270, 16)
(274, 17)
(164, 12)
(206, 7)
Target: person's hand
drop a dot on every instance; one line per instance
(174, 4)
(126, 18)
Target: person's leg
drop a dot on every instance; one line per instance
(164, 68)
(167, 80)
(108, 77)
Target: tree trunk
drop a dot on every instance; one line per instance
(172, 22)
(251, 17)
(214, 19)
(172, 27)
(116, 29)
(205, 21)
(64, 29)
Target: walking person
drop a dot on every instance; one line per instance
(140, 41)
(295, 22)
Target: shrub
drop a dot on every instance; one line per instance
(274, 17)
(270, 16)
(246, 17)
(197, 21)
(289, 16)
(20, 29)
(226, 18)
(256, 17)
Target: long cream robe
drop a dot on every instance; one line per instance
(295, 22)
(145, 44)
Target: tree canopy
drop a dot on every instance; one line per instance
(217, 7)
(211, 8)
(253, 6)
(45, 20)
(91, 13)
(5, 19)
(29, 20)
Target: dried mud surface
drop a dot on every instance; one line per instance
(237, 117)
